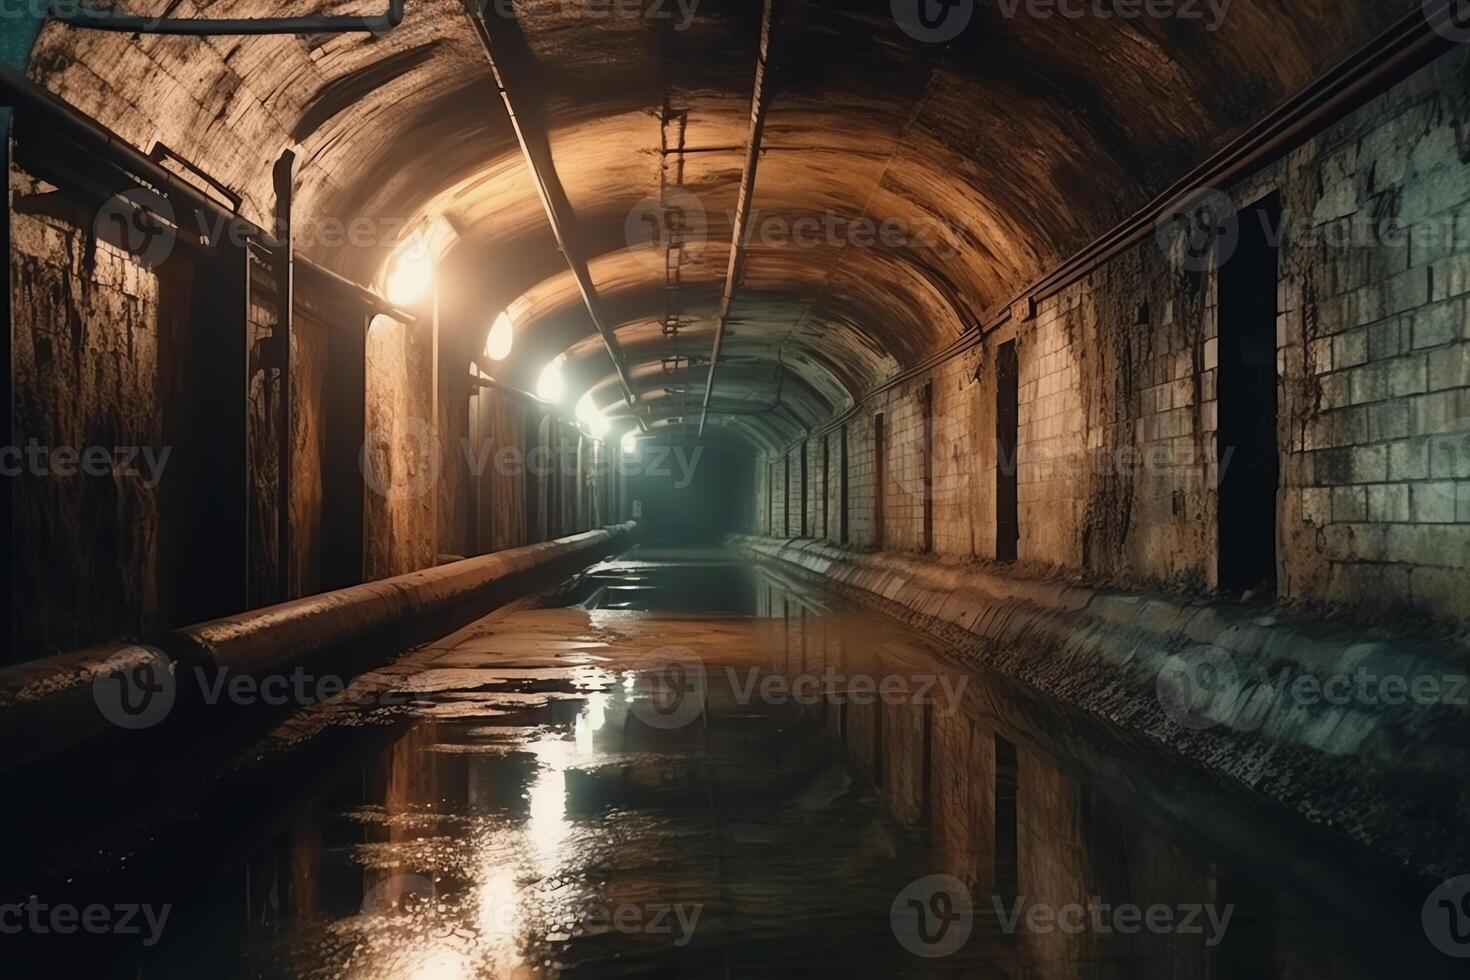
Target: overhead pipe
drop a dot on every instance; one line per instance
(742, 203)
(575, 262)
(106, 20)
(89, 136)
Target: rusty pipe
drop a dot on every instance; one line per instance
(575, 262)
(742, 203)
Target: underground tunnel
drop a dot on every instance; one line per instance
(724, 488)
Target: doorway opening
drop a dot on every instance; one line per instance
(1007, 437)
(1246, 449)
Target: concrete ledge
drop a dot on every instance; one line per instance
(47, 705)
(1388, 775)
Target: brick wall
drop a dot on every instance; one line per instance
(1375, 349)
(85, 348)
(1118, 411)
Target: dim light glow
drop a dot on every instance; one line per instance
(630, 443)
(551, 386)
(500, 339)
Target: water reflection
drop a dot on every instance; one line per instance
(792, 825)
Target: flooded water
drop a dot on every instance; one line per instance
(692, 768)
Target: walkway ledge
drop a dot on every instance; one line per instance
(1366, 734)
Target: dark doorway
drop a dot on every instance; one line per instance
(878, 479)
(786, 495)
(842, 488)
(771, 500)
(803, 491)
(826, 488)
(342, 483)
(1007, 418)
(928, 462)
(1246, 386)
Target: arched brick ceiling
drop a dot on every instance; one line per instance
(999, 155)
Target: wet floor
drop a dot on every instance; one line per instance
(684, 766)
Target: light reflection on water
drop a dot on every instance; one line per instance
(545, 838)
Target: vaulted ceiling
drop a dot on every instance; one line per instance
(938, 179)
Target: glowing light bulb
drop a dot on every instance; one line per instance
(551, 386)
(500, 339)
